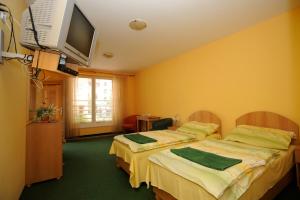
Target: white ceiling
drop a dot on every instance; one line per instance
(174, 26)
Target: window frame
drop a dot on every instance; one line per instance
(94, 123)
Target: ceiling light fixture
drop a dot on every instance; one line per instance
(108, 54)
(137, 24)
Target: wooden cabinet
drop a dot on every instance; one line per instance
(52, 94)
(43, 152)
(297, 161)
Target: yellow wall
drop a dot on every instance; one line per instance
(13, 88)
(254, 69)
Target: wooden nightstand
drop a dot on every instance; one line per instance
(173, 128)
(297, 161)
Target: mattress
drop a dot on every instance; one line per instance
(138, 161)
(183, 189)
(162, 137)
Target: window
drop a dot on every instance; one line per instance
(84, 105)
(103, 100)
(94, 100)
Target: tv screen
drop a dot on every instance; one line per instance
(81, 32)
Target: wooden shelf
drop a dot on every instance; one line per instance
(49, 61)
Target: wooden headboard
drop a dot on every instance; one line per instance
(269, 120)
(207, 117)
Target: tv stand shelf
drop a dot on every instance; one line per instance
(49, 61)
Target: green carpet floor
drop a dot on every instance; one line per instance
(90, 173)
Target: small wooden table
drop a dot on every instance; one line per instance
(147, 119)
(173, 128)
(297, 161)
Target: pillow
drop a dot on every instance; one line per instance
(259, 136)
(273, 130)
(199, 129)
(215, 136)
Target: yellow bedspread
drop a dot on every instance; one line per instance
(163, 138)
(138, 161)
(182, 188)
(217, 181)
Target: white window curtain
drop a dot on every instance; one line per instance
(118, 102)
(72, 124)
(72, 115)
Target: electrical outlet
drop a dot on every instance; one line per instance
(1, 45)
(3, 17)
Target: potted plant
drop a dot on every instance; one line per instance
(46, 114)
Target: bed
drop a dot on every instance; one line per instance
(135, 163)
(168, 185)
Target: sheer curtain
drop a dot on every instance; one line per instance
(72, 125)
(118, 102)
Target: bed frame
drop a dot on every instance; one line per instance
(200, 116)
(206, 117)
(263, 119)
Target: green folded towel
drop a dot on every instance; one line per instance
(205, 158)
(141, 139)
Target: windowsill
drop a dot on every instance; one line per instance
(95, 124)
